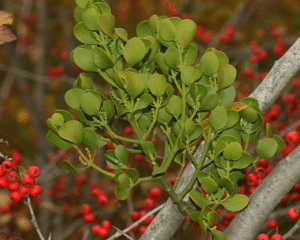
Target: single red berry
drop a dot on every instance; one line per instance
(149, 203)
(271, 223)
(106, 224)
(172, 10)
(199, 31)
(148, 220)
(154, 193)
(206, 36)
(110, 146)
(139, 157)
(24, 192)
(85, 209)
(34, 171)
(135, 216)
(66, 207)
(28, 181)
(128, 131)
(142, 213)
(35, 191)
(96, 228)
(276, 236)
(253, 58)
(7, 166)
(3, 182)
(296, 82)
(292, 137)
(103, 232)
(89, 218)
(96, 192)
(11, 176)
(13, 186)
(81, 179)
(103, 200)
(293, 214)
(142, 229)
(264, 163)
(64, 55)
(263, 236)
(15, 196)
(16, 157)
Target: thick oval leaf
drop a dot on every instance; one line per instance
(145, 101)
(83, 57)
(252, 102)
(90, 139)
(157, 84)
(57, 141)
(134, 174)
(236, 203)
(109, 108)
(107, 22)
(153, 21)
(245, 161)
(122, 192)
(84, 82)
(188, 75)
(90, 18)
(58, 119)
(222, 57)
(144, 121)
(208, 184)
(72, 97)
(185, 32)
(226, 75)
(171, 57)
(84, 35)
(101, 59)
(69, 167)
(233, 118)
(163, 116)
(166, 30)
(233, 151)
(66, 115)
(122, 33)
(134, 83)
(175, 106)
(209, 63)
(226, 183)
(191, 54)
(72, 131)
(134, 51)
(189, 126)
(148, 148)
(81, 3)
(90, 103)
(159, 59)
(210, 102)
(218, 118)
(143, 29)
(197, 133)
(122, 154)
(199, 199)
(218, 235)
(280, 142)
(266, 148)
(227, 96)
(249, 114)
(102, 6)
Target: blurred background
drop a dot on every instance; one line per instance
(35, 72)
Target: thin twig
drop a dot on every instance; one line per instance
(121, 232)
(33, 220)
(117, 234)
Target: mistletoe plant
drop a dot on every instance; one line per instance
(157, 85)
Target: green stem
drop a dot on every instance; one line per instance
(114, 135)
(219, 199)
(199, 166)
(191, 156)
(144, 179)
(153, 122)
(180, 172)
(135, 127)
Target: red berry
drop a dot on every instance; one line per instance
(135, 216)
(172, 10)
(85, 209)
(3, 182)
(16, 157)
(66, 207)
(7, 166)
(11, 176)
(264, 163)
(89, 218)
(13, 186)
(154, 193)
(106, 224)
(149, 203)
(103, 232)
(96, 228)
(271, 223)
(206, 36)
(293, 214)
(276, 236)
(263, 236)
(34, 171)
(199, 31)
(148, 220)
(292, 137)
(103, 200)
(15, 196)
(143, 229)
(24, 192)
(64, 55)
(128, 131)
(28, 181)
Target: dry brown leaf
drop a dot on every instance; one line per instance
(6, 35)
(5, 18)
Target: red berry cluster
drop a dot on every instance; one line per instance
(258, 53)
(264, 236)
(24, 188)
(228, 35)
(203, 34)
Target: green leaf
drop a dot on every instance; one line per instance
(134, 174)
(77, 14)
(72, 131)
(188, 75)
(150, 56)
(245, 161)
(90, 18)
(269, 131)
(232, 132)
(249, 114)
(157, 84)
(171, 57)
(122, 154)
(145, 101)
(69, 167)
(122, 178)
(185, 32)
(90, 139)
(174, 106)
(252, 102)
(210, 101)
(106, 22)
(233, 151)
(122, 192)
(153, 21)
(72, 97)
(90, 103)
(208, 184)
(280, 142)
(101, 59)
(102, 6)
(134, 51)
(227, 96)
(66, 115)
(58, 119)
(236, 203)
(159, 59)
(226, 75)
(226, 183)
(57, 141)
(143, 29)
(148, 148)
(122, 33)
(266, 148)
(109, 108)
(84, 82)
(144, 121)
(199, 199)
(218, 118)
(84, 35)
(236, 175)
(83, 57)
(197, 133)
(209, 63)
(81, 3)
(233, 118)
(222, 57)
(191, 54)
(134, 83)
(189, 126)
(163, 116)
(166, 30)
(218, 235)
